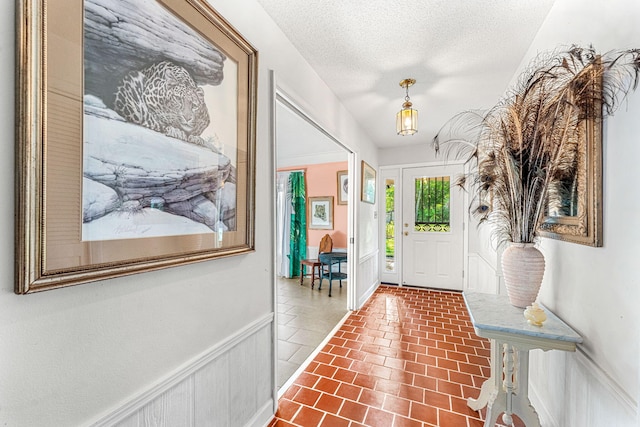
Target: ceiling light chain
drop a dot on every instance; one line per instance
(407, 118)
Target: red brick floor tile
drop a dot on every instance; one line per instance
(372, 398)
(326, 371)
(308, 417)
(306, 396)
(424, 413)
(349, 391)
(396, 405)
(345, 375)
(329, 403)
(415, 394)
(460, 406)
(323, 357)
(353, 410)
(387, 386)
(470, 369)
(439, 400)
(401, 376)
(411, 368)
(381, 372)
(361, 367)
(339, 351)
(287, 409)
(341, 362)
(446, 418)
(291, 391)
(447, 387)
(406, 422)
(395, 363)
(439, 373)
(334, 421)
(425, 382)
(366, 381)
(416, 368)
(327, 385)
(306, 379)
(451, 365)
(460, 378)
(357, 355)
(375, 359)
(378, 418)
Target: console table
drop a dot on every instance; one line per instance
(507, 389)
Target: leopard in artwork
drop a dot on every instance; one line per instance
(165, 98)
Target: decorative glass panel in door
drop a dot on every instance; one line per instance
(432, 195)
(390, 225)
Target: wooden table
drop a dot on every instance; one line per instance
(328, 260)
(507, 389)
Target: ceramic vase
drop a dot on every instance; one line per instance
(522, 269)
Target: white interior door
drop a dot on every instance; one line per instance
(432, 227)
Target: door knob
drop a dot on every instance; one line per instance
(406, 233)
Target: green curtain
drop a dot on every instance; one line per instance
(298, 241)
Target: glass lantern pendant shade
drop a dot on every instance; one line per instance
(407, 118)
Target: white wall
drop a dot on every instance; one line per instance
(596, 290)
(71, 356)
(420, 151)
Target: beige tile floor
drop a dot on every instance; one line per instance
(305, 318)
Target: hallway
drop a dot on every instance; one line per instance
(409, 357)
(305, 318)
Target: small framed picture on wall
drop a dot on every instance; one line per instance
(321, 213)
(343, 187)
(368, 194)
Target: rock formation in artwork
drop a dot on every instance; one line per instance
(130, 168)
(123, 35)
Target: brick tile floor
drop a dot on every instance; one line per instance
(409, 357)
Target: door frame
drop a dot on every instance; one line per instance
(397, 172)
(278, 94)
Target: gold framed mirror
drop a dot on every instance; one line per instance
(574, 205)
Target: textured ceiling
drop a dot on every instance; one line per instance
(462, 53)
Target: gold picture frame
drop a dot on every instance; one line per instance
(83, 213)
(320, 213)
(342, 181)
(368, 184)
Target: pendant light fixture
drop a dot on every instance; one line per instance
(407, 118)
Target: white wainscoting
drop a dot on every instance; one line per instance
(570, 389)
(368, 276)
(229, 385)
(482, 276)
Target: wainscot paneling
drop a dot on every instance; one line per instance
(368, 276)
(569, 389)
(482, 276)
(228, 386)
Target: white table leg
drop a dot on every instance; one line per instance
(521, 404)
(490, 387)
(507, 389)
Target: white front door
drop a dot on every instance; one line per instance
(432, 227)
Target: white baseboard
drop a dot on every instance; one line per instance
(365, 297)
(263, 417)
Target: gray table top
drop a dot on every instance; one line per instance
(493, 313)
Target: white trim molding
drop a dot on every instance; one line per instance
(254, 341)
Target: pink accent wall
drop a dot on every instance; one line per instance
(321, 181)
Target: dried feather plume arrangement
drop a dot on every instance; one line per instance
(518, 149)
